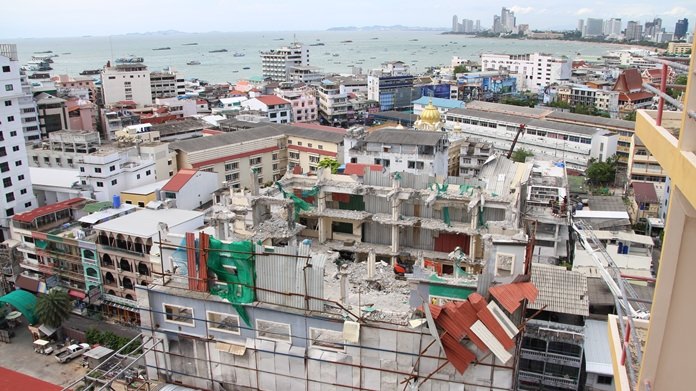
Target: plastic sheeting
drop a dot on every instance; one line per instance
(233, 263)
(24, 302)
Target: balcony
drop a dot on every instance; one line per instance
(120, 250)
(551, 358)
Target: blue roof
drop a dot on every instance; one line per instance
(440, 102)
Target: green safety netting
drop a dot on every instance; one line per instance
(441, 189)
(311, 192)
(24, 302)
(397, 176)
(446, 215)
(463, 188)
(300, 204)
(233, 263)
(97, 206)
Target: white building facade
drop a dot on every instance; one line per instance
(276, 63)
(14, 167)
(110, 172)
(126, 82)
(538, 70)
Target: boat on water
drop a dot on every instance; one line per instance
(348, 41)
(129, 60)
(163, 48)
(218, 51)
(89, 72)
(190, 44)
(44, 52)
(46, 59)
(66, 53)
(279, 39)
(317, 44)
(239, 54)
(335, 54)
(413, 40)
(246, 68)
(194, 62)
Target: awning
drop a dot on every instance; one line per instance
(237, 350)
(48, 330)
(27, 283)
(77, 294)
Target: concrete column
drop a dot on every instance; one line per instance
(371, 260)
(669, 349)
(321, 226)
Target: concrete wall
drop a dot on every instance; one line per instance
(198, 190)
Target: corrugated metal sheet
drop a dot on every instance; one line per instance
(375, 204)
(510, 295)
(277, 274)
(493, 214)
(459, 356)
(378, 233)
(416, 237)
(448, 242)
(414, 181)
(460, 215)
(374, 178)
(491, 341)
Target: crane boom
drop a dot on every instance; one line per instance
(520, 130)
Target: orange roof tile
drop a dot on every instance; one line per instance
(178, 181)
(510, 295)
(12, 380)
(28, 217)
(459, 356)
(359, 168)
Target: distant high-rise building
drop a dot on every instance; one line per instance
(466, 26)
(477, 25)
(455, 23)
(581, 25)
(497, 26)
(593, 27)
(276, 63)
(681, 28)
(612, 27)
(652, 28)
(634, 31)
(507, 20)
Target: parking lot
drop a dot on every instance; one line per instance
(20, 356)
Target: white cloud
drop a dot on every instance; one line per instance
(519, 10)
(583, 11)
(677, 11)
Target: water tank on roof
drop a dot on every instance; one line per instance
(620, 250)
(117, 201)
(579, 206)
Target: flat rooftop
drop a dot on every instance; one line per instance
(145, 189)
(53, 177)
(145, 222)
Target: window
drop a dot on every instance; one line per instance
(415, 165)
(255, 160)
(23, 191)
(13, 133)
(177, 314)
(320, 146)
(294, 155)
(112, 168)
(274, 156)
(326, 339)
(309, 145)
(100, 184)
(604, 379)
(97, 169)
(148, 172)
(10, 118)
(8, 103)
(227, 323)
(10, 197)
(275, 166)
(4, 167)
(314, 159)
(82, 169)
(114, 182)
(27, 204)
(231, 166)
(7, 182)
(20, 177)
(266, 329)
(9, 87)
(15, 148)
(9, 212)
(299, 143)
(5, 68)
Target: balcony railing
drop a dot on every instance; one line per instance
(121, 250)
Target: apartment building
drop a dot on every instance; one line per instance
(166, 84)
(574, 144)
(303, 103)
(643, 165)
(78, 86)
(574, 95)
(53, 114)
(28, 110)
(116, 117)
(537, 70)
(109, 171)
(190, 189)
(472, 155)
(14, 166)
(308, 144)
(391, 86)
(276, 63)
(126, 82)
(399, 150)
(125, 247)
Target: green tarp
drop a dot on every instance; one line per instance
(233, 263)
(24, 302)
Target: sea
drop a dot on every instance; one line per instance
(340, 52)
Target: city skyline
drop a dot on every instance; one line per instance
(83, 17)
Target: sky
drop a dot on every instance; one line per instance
(49, 18)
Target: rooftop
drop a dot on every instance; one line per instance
(596, 346)
(509, 109)
(146, 189)
(144, 222)
(405, 137)
(106, 214)
(439, 102)
(185, 125)
(591, 120)
(179, 180)
(28, 217)
(644, 192)
(271, 100)
(53, 177)
(560, 290)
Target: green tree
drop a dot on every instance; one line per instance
(521, 155)
(459, 69)
(681, 80)
(53, 308)
(327, 162)
(601, 173)
(630, 116)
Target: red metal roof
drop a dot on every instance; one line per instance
(359, 168)
(12, 380)
(629, 80)
(271, 100)
(459, 356)
(28, 217)
(645, 192)
(457, 321)
(178, 181)
(510, 295)
(634, 96)
(495, 327)
(211, 132)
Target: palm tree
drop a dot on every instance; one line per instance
(53, 308)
